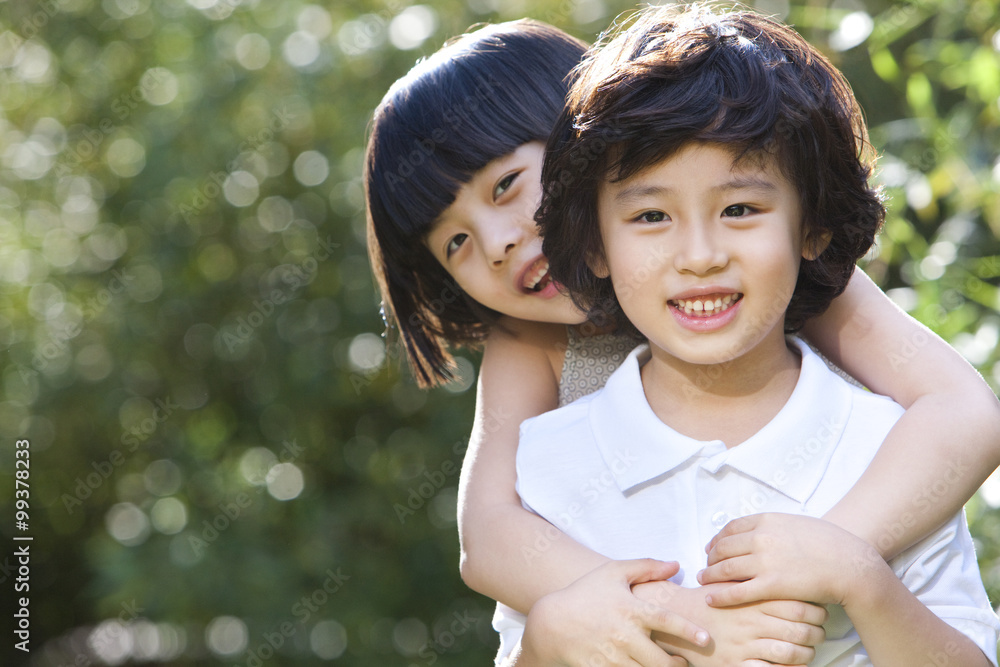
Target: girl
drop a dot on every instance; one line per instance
(452, 182)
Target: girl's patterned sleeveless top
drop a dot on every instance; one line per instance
(589, 362)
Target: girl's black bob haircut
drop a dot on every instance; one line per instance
(478, 98)
(676, 76)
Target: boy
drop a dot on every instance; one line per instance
(706, 189)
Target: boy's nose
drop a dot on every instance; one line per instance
(699, 252)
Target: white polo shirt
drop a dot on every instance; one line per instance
(606, 471)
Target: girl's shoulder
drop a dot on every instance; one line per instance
(515, 342)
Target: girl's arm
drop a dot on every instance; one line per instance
(508, 553)
(939, 452)
(816, 560)
(946, 444)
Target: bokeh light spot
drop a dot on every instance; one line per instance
(285, 481)
(253, 51)
(366, 352)
(162, 477)
(328, 639)
(316, 20)
(127, 524)
(168, 515)
(411, 27)
(409, 636)
(300, 49)
(226, 635)
(311, 168)
(275, 214)
(853, 30)
(159, 86)
(255, 464)
(465, 376)
(241, 188)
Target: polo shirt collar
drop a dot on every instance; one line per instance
(790, 454)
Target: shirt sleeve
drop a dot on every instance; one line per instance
(943, 573)
(509, 623)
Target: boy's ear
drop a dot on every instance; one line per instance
(815, 243)
(597, 265)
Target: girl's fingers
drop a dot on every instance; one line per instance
(636, 650)
(804, 634)
(641, 570)
(730, 546)
(737, 568)
(648, 654)
(741, 593)
(667, 622)
(735, 527)
(793, 610)
(777, 652)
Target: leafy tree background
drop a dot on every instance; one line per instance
(227, 464)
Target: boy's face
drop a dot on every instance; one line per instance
(703, 255)
(488, 241)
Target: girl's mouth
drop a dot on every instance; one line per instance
(537, 277)
(706, 306)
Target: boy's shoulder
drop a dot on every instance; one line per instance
(863, 400)
(561, 445)
(868, 411)
(569, 415)
(557, 433)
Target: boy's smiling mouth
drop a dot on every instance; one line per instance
(706, 306)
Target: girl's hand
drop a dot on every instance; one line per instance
(762, 634)
(785, 556)
(597, 619)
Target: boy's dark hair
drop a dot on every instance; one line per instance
(477, 99)
(682, 75)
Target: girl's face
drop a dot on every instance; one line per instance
(487, 240)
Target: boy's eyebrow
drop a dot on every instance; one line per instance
(640, 191)
(746, 183)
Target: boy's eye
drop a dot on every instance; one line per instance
(736, 211)
(503, 185)
(652, 216)
(453, 245)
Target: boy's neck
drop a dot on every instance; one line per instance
(729, 401)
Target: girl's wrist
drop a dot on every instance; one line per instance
(868, 580)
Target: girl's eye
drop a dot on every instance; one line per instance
(736, 211)
(652, 216)
(454, 244)
(503, 185)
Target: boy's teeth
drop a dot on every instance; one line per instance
(706, 307)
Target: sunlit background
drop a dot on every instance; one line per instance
(228, 466)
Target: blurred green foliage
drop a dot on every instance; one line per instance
(228, 466)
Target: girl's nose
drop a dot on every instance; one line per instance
(501, 238)
(498, 260)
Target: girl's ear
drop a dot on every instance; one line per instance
(815, 243)
(597, 265)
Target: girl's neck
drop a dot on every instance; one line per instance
(729, 401)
